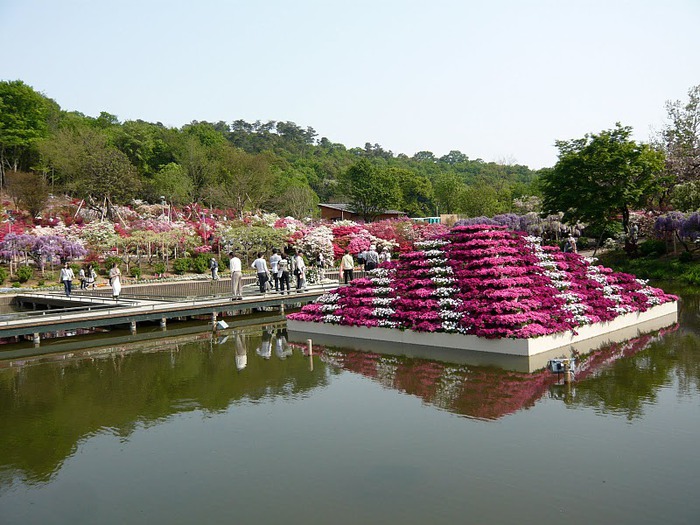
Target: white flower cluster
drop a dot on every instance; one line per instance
(327, 308)
(452, 327)
(385, 323)
(380, 273)
(383, 301)
(448, 302)
(431, 244)
(437, 261)
(443, 281)
(328, 298)
(450, 315)
(332, 319)
(441, 270)
(381, 281)
(383, 290)
(443, 292)
(433, 254)
(590, 260)
(383, 312)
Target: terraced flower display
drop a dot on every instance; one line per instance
(486, 281)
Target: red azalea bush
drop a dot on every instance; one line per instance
(486, 281)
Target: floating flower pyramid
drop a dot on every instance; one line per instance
(486, 281)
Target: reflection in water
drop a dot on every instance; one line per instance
(50, 404)
(478, 392)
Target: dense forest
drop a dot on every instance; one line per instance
(273, 166)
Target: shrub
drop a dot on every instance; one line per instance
(136, 272)
(200, 264)
(16, 285)
(685, 257)
(159, 268)
(109, 261)
(24, 273)
(3, 275)
(692, 276)
(652, 247)
(182, 265)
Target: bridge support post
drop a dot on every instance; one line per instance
(213, 320)
(282, 308)
(163, 323)
(132, 327)
(37, 339)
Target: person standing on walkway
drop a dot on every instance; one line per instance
(115, 281)
(82, 276)
(236, 277)
(347, 265)
(283, 273)
(274, 261)
(260, 265)
(90, 277)
(371, 258)
(300, 271)
(66, 278)
(214, 267)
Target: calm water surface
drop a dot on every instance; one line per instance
(248, 429)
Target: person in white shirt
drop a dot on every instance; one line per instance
(283, 273)
(236, 277)
(115, 280)
(385, 256)
(300, 271)
(66, 278)
(274, 260)
(347, 265)
(260, 265)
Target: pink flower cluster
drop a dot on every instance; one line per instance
(486, 281)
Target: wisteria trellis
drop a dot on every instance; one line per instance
(487, 281)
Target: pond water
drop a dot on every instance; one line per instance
(247, 428)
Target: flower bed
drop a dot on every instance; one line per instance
(486, 281)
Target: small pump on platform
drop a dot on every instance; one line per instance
(563, 365)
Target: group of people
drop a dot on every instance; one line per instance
(368, 259)
(279, 273)
(87, 277)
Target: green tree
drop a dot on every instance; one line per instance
(602, 176)
(370, 191)
(448, 190)
(416, 192)
(172, 182)
(23, 121)
(680, 139)
(29, 191)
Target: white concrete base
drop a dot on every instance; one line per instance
(589, 337)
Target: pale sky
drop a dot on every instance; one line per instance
(499, 80)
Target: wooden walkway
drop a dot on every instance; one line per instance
(54, 313)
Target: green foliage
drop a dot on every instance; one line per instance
(652, 247)
(182, 265)
(685, 257)
(159, 268)
(686, 197)
(24, 273)
(370, 190)
(109, 261)
(274, 166)
(16, 285)
(3, 275)
(172, 182)
(200, 264)
(601, 176)
(29, 191)
(136, 272)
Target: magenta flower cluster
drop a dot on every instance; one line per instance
(487, 281)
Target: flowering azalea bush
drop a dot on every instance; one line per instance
(489, 281)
